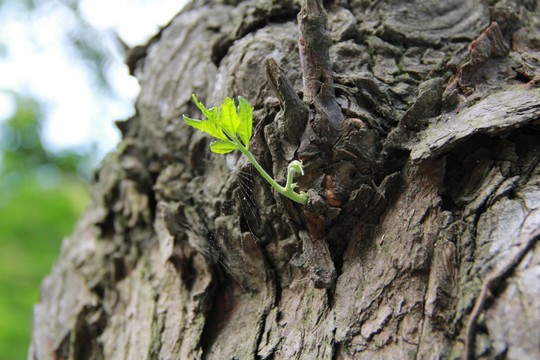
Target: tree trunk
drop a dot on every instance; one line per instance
(421, 151)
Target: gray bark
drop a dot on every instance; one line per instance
(419, 239)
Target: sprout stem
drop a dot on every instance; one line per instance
(288, 190)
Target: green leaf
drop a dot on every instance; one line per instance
(245, 112)
(227, 124)
(207, 127)
(228, 118)
(223, 147)
(211, 115)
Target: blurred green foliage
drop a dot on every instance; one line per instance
(42, 192)
(41, 197)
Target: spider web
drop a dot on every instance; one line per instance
(246, 205)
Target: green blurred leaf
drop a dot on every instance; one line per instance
(245, 112)
(211, 114)
(223, 147)
(206, 126)
(228, 118)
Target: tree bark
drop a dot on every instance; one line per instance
(419, 238)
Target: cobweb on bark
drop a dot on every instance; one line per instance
(242, 200)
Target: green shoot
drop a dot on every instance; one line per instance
(233, 129)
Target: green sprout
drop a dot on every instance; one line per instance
(233, 128)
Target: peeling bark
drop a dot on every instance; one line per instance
(419, 239)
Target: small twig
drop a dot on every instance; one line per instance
(314, 44)
(490, 282)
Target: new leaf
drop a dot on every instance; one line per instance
(210, 125)
(207, 127)
(211, 114)
(245, 111)
(223, 147)
(228, 118)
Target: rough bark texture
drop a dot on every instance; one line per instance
(419, 239)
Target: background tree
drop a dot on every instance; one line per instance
(418, 128)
